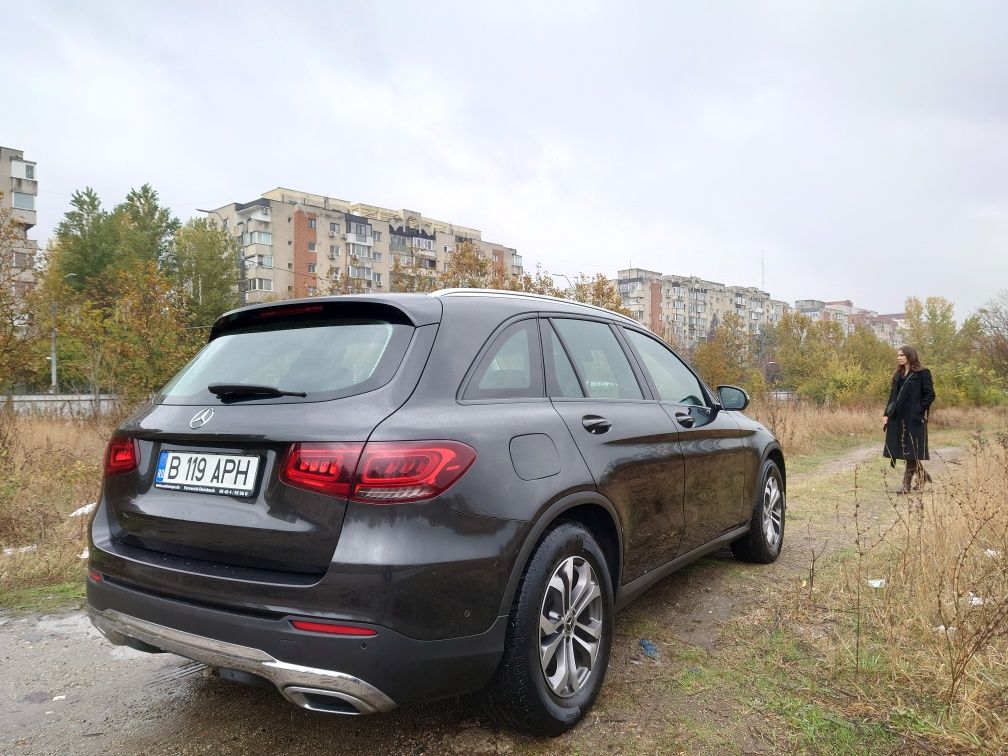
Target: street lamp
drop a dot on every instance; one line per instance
(241, 254)
(570, 286)
(53, 385)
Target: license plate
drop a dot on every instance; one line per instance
(223, 474)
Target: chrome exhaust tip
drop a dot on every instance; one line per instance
(327, 701)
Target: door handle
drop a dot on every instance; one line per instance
(595, 424)
(684, 419)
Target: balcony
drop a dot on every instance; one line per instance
(25, 186)
(359, 238)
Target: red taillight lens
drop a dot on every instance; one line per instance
(95, 575)
(331, 628)
(398, 471)
(323, 468)
(121, 456)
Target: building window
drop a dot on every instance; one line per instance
(420, 243)
(311, 267)
(360, 272)
(361, 229)
(257, 237)
(260, 284)
(29, 171)
(377, 278)
(377, 236)
(428, 263)
(311, 223)
(263, 261)
(311, 246)
(359, 250)
(334, 227)
(23, 201)
(333, 250)
(22, 259)
(376, 256)
(397, 242)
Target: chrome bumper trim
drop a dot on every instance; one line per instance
(366, 698)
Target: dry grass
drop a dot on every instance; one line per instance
(51, 467)
(926, 650)
(805, 427)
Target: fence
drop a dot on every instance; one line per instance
(68, 405)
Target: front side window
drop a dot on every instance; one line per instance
(512, 368)
(673, 380)
(599, 359)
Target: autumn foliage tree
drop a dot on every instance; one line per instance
(18, 266)
(728, 357)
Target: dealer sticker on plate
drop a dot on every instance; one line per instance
(225, 474)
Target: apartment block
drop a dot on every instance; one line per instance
(687, 309)
(890, 328)
(19, 188)
(295, 243)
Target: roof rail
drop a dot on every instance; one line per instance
(525, 295)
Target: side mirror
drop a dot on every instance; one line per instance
(732, 397)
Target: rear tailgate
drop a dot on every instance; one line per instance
(209, 486)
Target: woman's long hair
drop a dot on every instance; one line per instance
(913, 361)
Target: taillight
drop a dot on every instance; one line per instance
(121, 456)
(323, 468)
(387, 472)
(333, 628)
(398, 471)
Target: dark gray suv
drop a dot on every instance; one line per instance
(371, 501)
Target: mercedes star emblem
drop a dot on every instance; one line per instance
(201, 418)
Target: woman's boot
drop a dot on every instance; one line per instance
(908, 474)
(922, 477)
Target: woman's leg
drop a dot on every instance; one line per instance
(908, 474)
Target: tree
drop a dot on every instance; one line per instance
(147, 332)
(87, 244)
(599, 291)
(727, 356)
(18, 268)
(206, 270)
(467, 268)
(992, 320)
(146, 228)
(932, 329)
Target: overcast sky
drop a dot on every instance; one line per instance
(862, 147)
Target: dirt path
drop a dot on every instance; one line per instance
(66, 690)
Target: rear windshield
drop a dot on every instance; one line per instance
(326, 359)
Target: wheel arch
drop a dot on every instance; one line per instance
(776, 454)
(592, 510)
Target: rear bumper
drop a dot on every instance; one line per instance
(346, 675)
(299, 685)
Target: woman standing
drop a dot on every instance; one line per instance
(905, 418)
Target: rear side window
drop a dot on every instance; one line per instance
(511, 368)
(561, 380)
(599, 359)
(324, 358)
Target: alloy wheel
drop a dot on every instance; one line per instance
(570, 626)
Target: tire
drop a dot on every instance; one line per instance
(520, 695)
(762, 544)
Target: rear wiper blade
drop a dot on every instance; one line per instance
(232, 390)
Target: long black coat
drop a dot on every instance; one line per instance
(906, 433)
